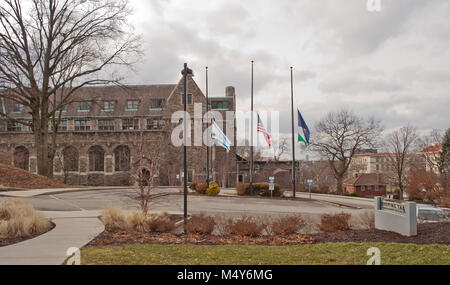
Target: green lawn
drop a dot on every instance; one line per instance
(317, 254)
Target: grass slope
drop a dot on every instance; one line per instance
(316, 254)
(12, 177)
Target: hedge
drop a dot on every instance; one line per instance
(261, 189)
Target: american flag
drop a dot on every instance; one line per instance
(262, 130)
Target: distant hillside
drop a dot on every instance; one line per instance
(12, 178)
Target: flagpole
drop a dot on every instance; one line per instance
(251, 140)
(293, 135)
(207, 129)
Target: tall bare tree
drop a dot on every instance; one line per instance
(400, 144)
(340, 135)
(51, 48)
(152, 155)
(283, 147)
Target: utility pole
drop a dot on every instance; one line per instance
(251, 141)
(207, 129)
(293, 134)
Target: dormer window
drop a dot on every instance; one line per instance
(156, 104)
(132, 105)
(108, 106)
(85, 106)
(18, 108)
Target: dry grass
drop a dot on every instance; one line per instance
(115, 218)
(287, 225)
(20, 220)
(333, 223)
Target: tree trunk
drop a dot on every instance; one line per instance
(44, 167)
(339, 182)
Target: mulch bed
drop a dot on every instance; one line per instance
(427, 233)
(430, 233)
(12, 178)
(11, 241)
(122, 237)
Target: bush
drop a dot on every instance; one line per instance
(201, 188)
(246, 226)
(261, 189)
(200, 224)
(20, 220)
(241, 188)
(333, 223)
(160, 223)
(193, 186)
(287, 225)
(213, 189)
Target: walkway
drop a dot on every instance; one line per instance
(73, 229)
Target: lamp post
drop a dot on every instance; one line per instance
(185, 73)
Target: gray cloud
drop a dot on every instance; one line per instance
(392, 65)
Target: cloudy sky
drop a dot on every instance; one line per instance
(393, 64)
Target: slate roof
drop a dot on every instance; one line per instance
(97, 95)
(365, 179)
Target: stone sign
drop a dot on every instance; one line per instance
(396, 216)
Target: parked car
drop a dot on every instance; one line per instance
(430, 214)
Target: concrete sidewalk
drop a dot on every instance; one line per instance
(73, 229)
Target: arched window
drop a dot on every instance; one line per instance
(96, 159)
(21, 158)
(122, 158)
(70, 155)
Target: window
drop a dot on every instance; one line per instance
(377, 188)
(156, 104)
(82, 125)
(70, 155)
(62, 127)
(189, 99)
(154, 124)
(106, 125)
(369, 188)
(18, 108)
(13, 126)
(122, 158)
(132, 105)
(85, 106)
(220, 105)
(21, 158)
(130, 124)
(96, 159)
(108, 106)
(363, 188)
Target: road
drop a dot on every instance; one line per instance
(173, 201)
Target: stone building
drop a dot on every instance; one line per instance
(107, 131)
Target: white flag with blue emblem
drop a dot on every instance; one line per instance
(220, 137)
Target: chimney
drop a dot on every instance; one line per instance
(356, 175)
(189, 72)
(230, 91)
